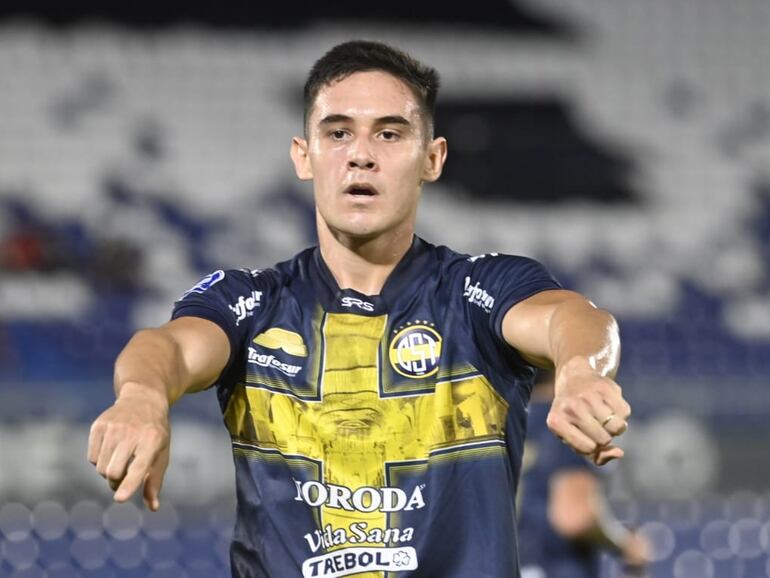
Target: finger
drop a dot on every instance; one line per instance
(154, 481)
(152, 487)
(136, 473)
(613, 405)
(618, 406)
(606, 454)
(598, 408)
(110, 441)
(95, 435)
(118, 464)
(615, 426)
(115, 483)
(621, 429)
(591, 427)
(572, 436)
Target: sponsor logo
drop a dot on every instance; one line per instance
(415, 351)
(206, 283)
(354, 560)
(477, 257)
(364, 499)
(245, 306)
(357, 533)
(355, 302)
(288, 341)
(268, 360)
(478, 296)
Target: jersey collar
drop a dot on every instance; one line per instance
(336, 300)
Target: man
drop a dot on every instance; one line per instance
(375, 386)
(564, 521)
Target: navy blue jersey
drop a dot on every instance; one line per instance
(543, 552)
(373, 435)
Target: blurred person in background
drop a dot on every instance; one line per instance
(565, 523)
(375, 386)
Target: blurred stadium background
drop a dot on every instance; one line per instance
(625, 144)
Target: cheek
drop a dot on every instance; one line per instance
(410, 171)
(327, 166)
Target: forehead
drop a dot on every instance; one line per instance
(366, 95)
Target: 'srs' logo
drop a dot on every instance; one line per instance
(356, 302)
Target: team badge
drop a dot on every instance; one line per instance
(415, 351)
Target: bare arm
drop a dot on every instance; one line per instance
(129, 441)
(577, 511)
(182, 356)
(563, 330)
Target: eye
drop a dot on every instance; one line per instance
(389, 135)
(338, 134)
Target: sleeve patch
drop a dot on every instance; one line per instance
(206, 283)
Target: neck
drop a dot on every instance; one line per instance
(362, 264)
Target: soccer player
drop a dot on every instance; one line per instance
(375, 386)
(564, 521)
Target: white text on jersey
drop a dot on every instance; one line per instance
(245, 306)
(355, 302)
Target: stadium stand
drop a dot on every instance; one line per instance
(630, 156)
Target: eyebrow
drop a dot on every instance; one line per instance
(389, 119)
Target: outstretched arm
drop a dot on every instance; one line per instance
(578, 511)
(563, 330)
(129, 442)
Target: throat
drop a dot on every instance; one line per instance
(360, 275)
(365, 267)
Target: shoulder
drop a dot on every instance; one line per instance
(233, 280)
(227, 295)
(248, 283)
(497, 271)
(493, 260)
(503, 262)
(270, 278)
(230, 296)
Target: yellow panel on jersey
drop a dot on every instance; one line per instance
(354, 421)
(354, 431)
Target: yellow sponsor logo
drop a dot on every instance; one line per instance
(277, 338)
(415, 351)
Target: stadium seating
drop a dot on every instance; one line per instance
(133, 163)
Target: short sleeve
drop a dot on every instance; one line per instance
(497, 282)
(227, 298)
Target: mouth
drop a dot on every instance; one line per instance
(361, 190)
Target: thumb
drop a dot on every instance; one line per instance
(154, 480)
(607, 454)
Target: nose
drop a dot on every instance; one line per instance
(361, 156)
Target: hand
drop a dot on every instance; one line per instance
(636, 551)
(129, 444)
(588, 411)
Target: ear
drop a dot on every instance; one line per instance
(301, 159)
(434, 161)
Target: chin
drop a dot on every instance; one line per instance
(363, 228)
(363, 233)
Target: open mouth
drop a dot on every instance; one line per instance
(361, 190)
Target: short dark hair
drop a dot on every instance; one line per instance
(363, 55)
